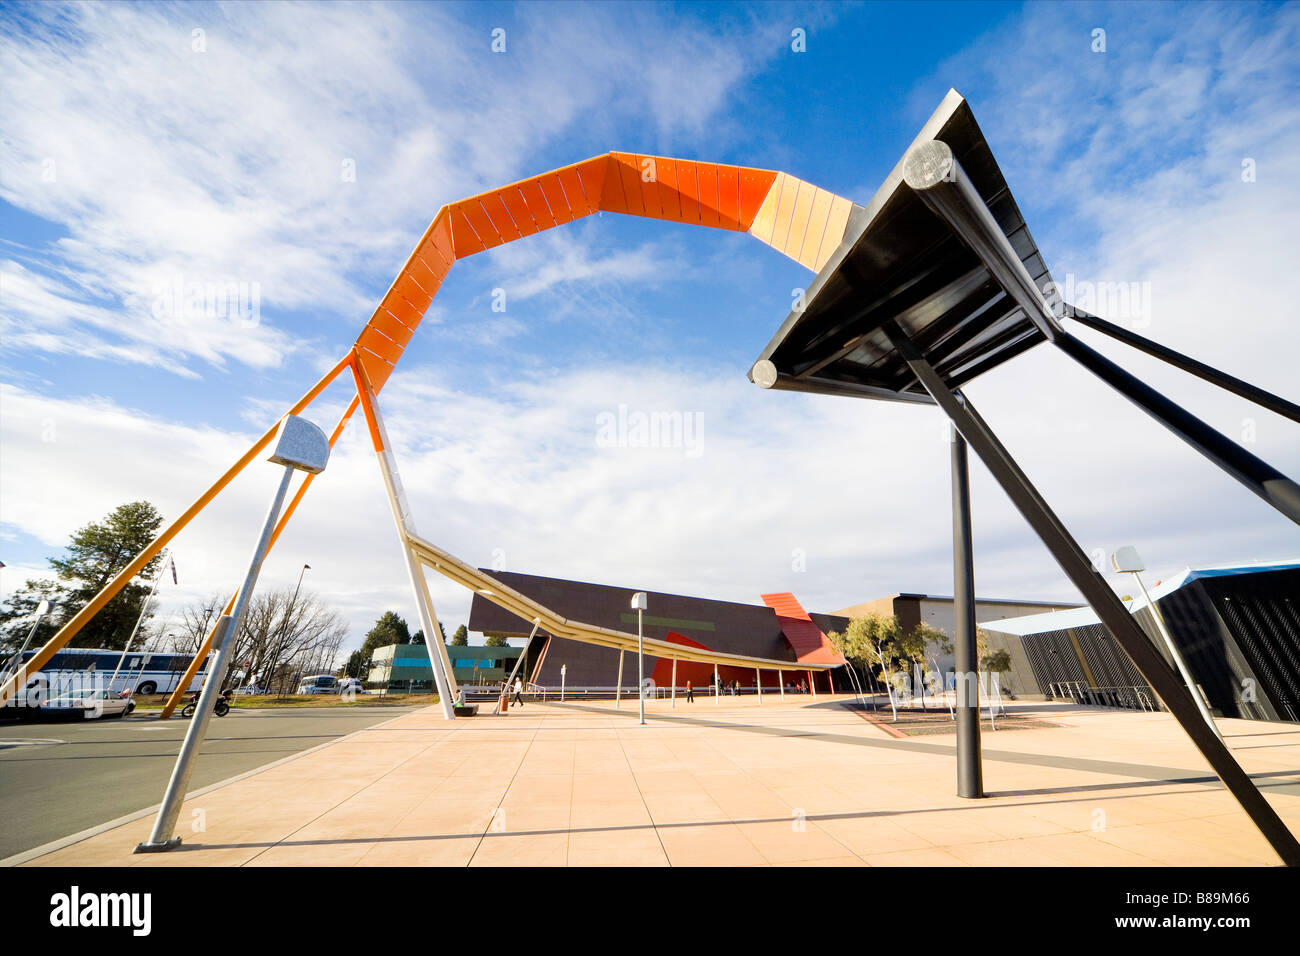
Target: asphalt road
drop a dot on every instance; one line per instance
(59, 778)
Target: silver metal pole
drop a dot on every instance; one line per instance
(131, 637)
(1178, 658)
(674, 682)
(758, 684)
(18, 658)
(223, 644)
(618, 691)
(519, 660)
(640, 667)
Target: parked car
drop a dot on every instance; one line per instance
(347, 684)
(319, 684)
(88, 703)
(250, 689)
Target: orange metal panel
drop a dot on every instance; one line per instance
(728, 197)
(649, 189)
(519, 211)
(402, 310)
(465, 240)
(688, 189)
(429, 280)
(377, 370)
(612, 197)
(765, 218)
(816, 228)
(591, 174)
(391, 327)
(707, 176)
(483, 226)
(670, 204)
(432, 260)
(437, 249)
(495, 209)
(803, 203)
(372, 340)
(754, 186)
(408, 286)
(784, 210)
(540, 209)
(837, 221)
(573, 192)
(555, 199)
(630, 174)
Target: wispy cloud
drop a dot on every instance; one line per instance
(296, 150)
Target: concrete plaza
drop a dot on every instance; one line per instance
(737, 783)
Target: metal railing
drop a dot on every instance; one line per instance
(1125, 697)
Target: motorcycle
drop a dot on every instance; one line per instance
(220, 708)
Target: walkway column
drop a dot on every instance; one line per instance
(618, 691)
(674, 682)
(758, 684)
(780, 679)
(717, 685)
(970, 774)
(812, 685)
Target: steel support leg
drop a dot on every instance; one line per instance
(970, 772)
(1252, 393)
(1098, 594)
(1253, 472)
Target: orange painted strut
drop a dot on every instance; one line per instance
(69, 630)
(206, 647)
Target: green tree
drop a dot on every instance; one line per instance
(355, 666)
(94, 556)
(874, 640)
(495, 640)
(389, 629)
(461, 637)
(916, 642)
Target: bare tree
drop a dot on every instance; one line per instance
(285, 631)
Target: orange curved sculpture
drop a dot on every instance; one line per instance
(803, 221)
(800, 220)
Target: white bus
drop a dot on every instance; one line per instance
(141, 672)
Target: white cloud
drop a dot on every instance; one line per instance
(223, 157)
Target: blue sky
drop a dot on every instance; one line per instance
(138, 153)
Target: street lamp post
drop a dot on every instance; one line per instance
(564, 670)
(1126, 559)
(41, 610)
(639, 602)
(300, 446)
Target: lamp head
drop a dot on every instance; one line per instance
(639, 601)
(1127, 559)
(302, 445)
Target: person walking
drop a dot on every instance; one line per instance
(519, 692)
(690, 693)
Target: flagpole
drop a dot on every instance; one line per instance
(144, 608)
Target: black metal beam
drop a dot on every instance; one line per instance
(1255, 473)
(970, 774)
(1252, 393)
(1098, 594)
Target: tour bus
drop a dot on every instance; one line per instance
(141, 672)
